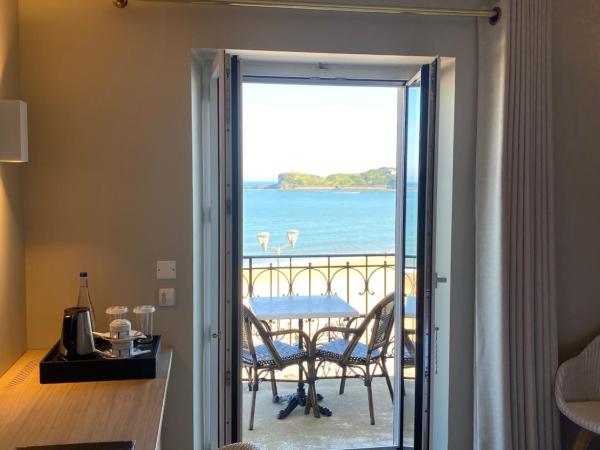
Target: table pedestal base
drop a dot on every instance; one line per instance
(297, 399)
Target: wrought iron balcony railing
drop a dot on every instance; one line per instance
(352, 276)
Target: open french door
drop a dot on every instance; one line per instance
(425, 243)
(221, 253)
(221, 165)
(419, 144)
(231, 254)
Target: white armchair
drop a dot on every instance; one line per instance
(577, 390)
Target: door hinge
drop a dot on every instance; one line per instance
(205, 216)
(228, 376)
(228, 206)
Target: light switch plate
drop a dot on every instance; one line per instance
(166, 270)
(166, 296)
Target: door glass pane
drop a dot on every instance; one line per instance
(411, 192)
(319, 198)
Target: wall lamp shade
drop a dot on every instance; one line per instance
(13, 131)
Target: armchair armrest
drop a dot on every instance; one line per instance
(577, 378)
(266, 324)
(306, 342)
(345, 330)
(352, 319)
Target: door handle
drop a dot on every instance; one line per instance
(439, 279)
(436, 361)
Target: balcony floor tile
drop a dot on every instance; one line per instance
(347, 428)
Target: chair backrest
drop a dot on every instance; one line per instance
(410, 349)
(381, 321)
(252, 326)
(577, 379)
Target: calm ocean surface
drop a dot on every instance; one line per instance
(328, 221)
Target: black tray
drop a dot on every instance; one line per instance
(55, 369)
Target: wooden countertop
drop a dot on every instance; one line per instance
(42, 414)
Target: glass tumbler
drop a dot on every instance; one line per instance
(116, 312)
(145, 321)
(120, 328)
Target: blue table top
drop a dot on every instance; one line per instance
(410, 307)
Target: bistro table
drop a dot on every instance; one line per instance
(300, 308)
(410, 307)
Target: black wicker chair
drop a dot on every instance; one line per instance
(272, 355)
(349, 352)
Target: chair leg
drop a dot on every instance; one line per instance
(308, 400)
(254, 390)
(582, 440)
(312, 390)
(273, 385)
(249, 373)
(343, 382)
(387, 379)
(368, 379)
(370, 394)
(311, 400)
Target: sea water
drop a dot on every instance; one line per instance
(329, 221)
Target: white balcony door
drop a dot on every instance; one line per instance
(425, 251)
(230, 219)
(419, 155)
(217, 196)
(444, 149)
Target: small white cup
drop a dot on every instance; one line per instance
(122, 349)
(120, 328)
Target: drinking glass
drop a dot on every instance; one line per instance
(145, 319)
(116, 312)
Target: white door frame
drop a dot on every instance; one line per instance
(212, 145)
(216, 242)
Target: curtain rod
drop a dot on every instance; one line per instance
(493, 15)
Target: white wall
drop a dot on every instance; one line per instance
(109, 186)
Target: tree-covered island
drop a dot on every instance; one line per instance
(382, 178)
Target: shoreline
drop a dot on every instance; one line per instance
(326, 188)
(320, 188)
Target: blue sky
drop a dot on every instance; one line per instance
(319, 129)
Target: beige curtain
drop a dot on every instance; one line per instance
(515, 330)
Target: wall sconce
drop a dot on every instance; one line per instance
(13, 131)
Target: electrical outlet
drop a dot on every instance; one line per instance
(166, 270)
(166, 296)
